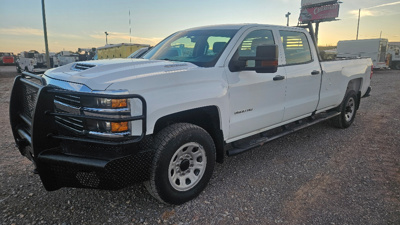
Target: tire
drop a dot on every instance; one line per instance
(397, 65)
(183, 163)
(348, 110)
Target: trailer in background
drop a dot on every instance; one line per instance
(376, 49)
(122, 50)
(394, 52)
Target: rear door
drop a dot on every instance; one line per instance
(303, 74)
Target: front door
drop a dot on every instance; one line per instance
(256, 99)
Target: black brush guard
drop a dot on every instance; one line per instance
(69, 160)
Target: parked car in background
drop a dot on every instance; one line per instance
(139, 53)
(64, 57)
(32, 61)
(6, 58)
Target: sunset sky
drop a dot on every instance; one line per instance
(73, 24)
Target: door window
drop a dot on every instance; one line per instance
(296, 47)
(250, 43)
(253, 40)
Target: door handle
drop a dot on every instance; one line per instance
(279, 77)
(315, 72)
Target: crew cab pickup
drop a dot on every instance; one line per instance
(165, 119)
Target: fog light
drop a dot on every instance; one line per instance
(119, 127)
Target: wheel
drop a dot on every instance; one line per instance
(183, 163)
(397, 65)
(347, 109)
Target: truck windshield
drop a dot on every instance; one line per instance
(200, 47)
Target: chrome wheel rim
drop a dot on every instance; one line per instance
(187, 166)
(349, 110)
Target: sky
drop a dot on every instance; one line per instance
(73, 24)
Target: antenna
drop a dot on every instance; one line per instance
(358, 24)
(130, 28)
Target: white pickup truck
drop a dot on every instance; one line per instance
(165, 119)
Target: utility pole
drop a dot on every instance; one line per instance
(45, 36)
(287, 16)
(358, 25)
(106, 37)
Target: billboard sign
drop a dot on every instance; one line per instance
(319, 13)
(309, 3)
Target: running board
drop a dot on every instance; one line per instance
(264, 137)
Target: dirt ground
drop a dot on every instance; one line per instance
(319, 175)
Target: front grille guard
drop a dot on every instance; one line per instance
(38, 133)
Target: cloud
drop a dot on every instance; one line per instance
(24, 31)
(123, 37)
(374, 11)
(21, 31)
(365, 12)
(383, 5)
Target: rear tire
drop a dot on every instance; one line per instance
(183, 163)
(397, 66)
(348, 110)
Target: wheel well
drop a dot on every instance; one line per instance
(355, 85)
(204, 117)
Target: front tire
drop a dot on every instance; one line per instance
(183, 163)
(348, 110)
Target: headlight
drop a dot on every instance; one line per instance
(104, 103)
(107, 107)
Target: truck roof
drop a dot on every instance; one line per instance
(239, 26)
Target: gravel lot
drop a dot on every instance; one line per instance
(319, 175)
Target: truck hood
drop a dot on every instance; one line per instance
(100, 74)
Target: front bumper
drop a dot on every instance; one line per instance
(67, 159)
(57, 169)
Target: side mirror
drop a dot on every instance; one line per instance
(265, 61)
